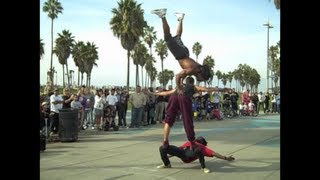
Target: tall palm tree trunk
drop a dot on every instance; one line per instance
(63, 75)
(89, 79)
(81, 78)
(78, 77)
(68, 78)
(128, 70)
(137, 75)
(51, 58)
(142, 75)
(162, 73)
(146, 79)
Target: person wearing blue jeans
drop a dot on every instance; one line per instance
(138, 100)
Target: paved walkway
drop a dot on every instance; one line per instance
(131, 154)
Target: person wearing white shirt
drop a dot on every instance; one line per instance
(251, 107)
(99, 101)
(112, 99)
(216, 99)
(56, 102)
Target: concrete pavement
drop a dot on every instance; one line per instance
(133, 153)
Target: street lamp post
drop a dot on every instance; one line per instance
(268, 25)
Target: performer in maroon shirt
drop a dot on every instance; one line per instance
(187, 155)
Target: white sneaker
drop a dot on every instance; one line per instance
(160, 12)
(92, 127)
(206, 170)
(164, 166)
(180, 16)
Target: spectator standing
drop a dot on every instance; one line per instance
(88, 110)
(122, 108)
(261, 98)
(266, 102)
(75, 104)
(278, 102)
(151, 107)
(138, 101)
(255, 100)
(99, 101)
(67, 98)
(56, 102)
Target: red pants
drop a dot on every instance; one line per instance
(182, 103)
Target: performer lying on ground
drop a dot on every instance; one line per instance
(187, 155)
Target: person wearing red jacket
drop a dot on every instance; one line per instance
(187, 155)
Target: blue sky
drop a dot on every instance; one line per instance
(230, 31)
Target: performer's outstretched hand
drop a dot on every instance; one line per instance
(229, 158)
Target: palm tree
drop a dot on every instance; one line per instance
(196, 49)
(76, 52)
(64, 43)
(236, 75)
(41, 49)
(149, 36)
(138, 57)
(164, 77)
(143, 62)
(127, 24)
(219, 76)
(224, 79)
(162, 51)
(254, 80)
(89, 60)
(71, 72)
(240, 72)
(209, 61)
(53, 8)
(230, 77)
(171, 76)
(153, 74)
(150, 68)
(249, 77)
(275, 62)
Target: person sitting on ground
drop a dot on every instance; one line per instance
(180, 51)
(187, 155)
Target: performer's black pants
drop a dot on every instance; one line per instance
(183, 154)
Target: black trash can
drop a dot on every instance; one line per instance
(68, 125)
